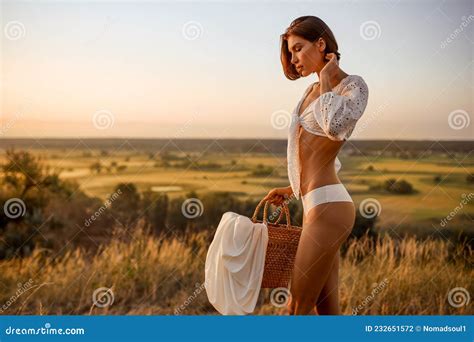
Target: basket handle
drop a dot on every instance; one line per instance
(265, 210)
(280, 216)
(285, 211)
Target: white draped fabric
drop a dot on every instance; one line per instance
(234, 264)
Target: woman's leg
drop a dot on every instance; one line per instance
(325, 227)
(328, 301)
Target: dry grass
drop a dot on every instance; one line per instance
(150, 275)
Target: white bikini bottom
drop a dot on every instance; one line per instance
(324, 194)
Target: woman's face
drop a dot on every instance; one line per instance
(306, 56)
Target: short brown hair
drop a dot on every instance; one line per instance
(310, 28)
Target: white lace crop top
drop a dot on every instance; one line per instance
(333, 114)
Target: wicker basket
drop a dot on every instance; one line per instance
(281, 249)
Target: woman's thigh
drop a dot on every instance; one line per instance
(325, 228)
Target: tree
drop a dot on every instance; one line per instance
(155, 210)
(96, 167)
(125, 208)
(27, 188)
(23, 172)
(398, 187)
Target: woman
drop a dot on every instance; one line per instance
(323, 119)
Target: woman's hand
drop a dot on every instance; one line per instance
(278, 195)
(331, 69)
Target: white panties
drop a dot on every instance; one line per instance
(324, 194)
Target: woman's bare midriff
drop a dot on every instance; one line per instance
(317, 157)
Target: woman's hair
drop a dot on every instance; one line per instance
(310, 28)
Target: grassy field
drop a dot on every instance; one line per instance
(147, 275)
(432, 201)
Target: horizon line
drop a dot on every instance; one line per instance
(210, 138)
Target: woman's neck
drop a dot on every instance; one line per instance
(335, 80)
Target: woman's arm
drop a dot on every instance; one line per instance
(329, 71)
(337, 114)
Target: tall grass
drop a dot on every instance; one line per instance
(164, 275)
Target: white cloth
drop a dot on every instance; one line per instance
(333, 114)
(234, 264)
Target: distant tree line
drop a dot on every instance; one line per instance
(40, 209)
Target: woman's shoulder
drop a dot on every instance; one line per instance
(355, 78)
(355, 82)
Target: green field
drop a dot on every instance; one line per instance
(232, 172)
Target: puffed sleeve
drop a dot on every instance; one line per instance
(338, 114)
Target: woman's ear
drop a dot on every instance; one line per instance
(321, 44)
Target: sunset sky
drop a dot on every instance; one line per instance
(211, 69)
